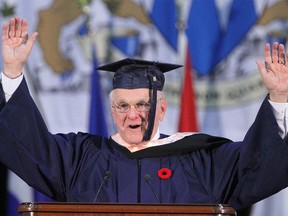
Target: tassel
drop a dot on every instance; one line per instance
(152, 111)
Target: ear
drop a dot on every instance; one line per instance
(113, 113)
(162, 109)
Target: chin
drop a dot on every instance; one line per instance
(135, 140)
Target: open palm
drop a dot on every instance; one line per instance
(275, 72)
(16, 45)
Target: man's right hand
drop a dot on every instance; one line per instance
(16, 46)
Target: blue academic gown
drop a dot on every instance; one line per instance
(84, 168)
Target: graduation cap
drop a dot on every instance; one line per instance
(136, 73)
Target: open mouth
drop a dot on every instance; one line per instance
(134, 126)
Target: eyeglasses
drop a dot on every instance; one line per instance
(124, 107)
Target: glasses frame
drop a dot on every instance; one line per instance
(121, 109)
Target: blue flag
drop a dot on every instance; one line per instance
(242, 18)
(97, 122)
(208, 42)
(203, 32)
(164, 16)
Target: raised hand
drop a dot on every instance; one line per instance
(275, 72)
(16, 46)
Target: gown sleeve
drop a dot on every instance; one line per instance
(263, 161)
(243, 173)
(44, 161)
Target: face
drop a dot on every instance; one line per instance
(133, 124)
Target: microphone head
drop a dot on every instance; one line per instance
(107, 173)
(147, 177)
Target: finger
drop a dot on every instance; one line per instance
(5, 28)
(11, 31)
(31, 40)
(275, 52)
(267, 53)
(281, 58)
(259, 64)
(24, 25)
(17, 27)
(261, 69)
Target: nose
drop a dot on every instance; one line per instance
(132, 113)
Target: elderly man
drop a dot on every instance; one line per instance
(138, 164)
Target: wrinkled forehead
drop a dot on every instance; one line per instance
(130, 95)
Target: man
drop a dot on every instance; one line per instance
(138, 164)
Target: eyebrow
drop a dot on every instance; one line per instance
(138, 101)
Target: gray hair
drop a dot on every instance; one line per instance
(160, 95)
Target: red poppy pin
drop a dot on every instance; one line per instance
(164, 173)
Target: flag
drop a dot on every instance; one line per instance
(209, 41)
(164, 16)
(241, 14)
(188, 111)
(203, 33)
(97, 122)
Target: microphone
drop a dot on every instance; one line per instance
(147, 179)
(107, 175)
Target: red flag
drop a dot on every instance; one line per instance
(188, 111)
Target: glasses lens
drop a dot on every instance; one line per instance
(142, 107)
(123, 107)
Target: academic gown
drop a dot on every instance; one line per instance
(78, 167)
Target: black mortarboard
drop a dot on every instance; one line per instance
(136, 73)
